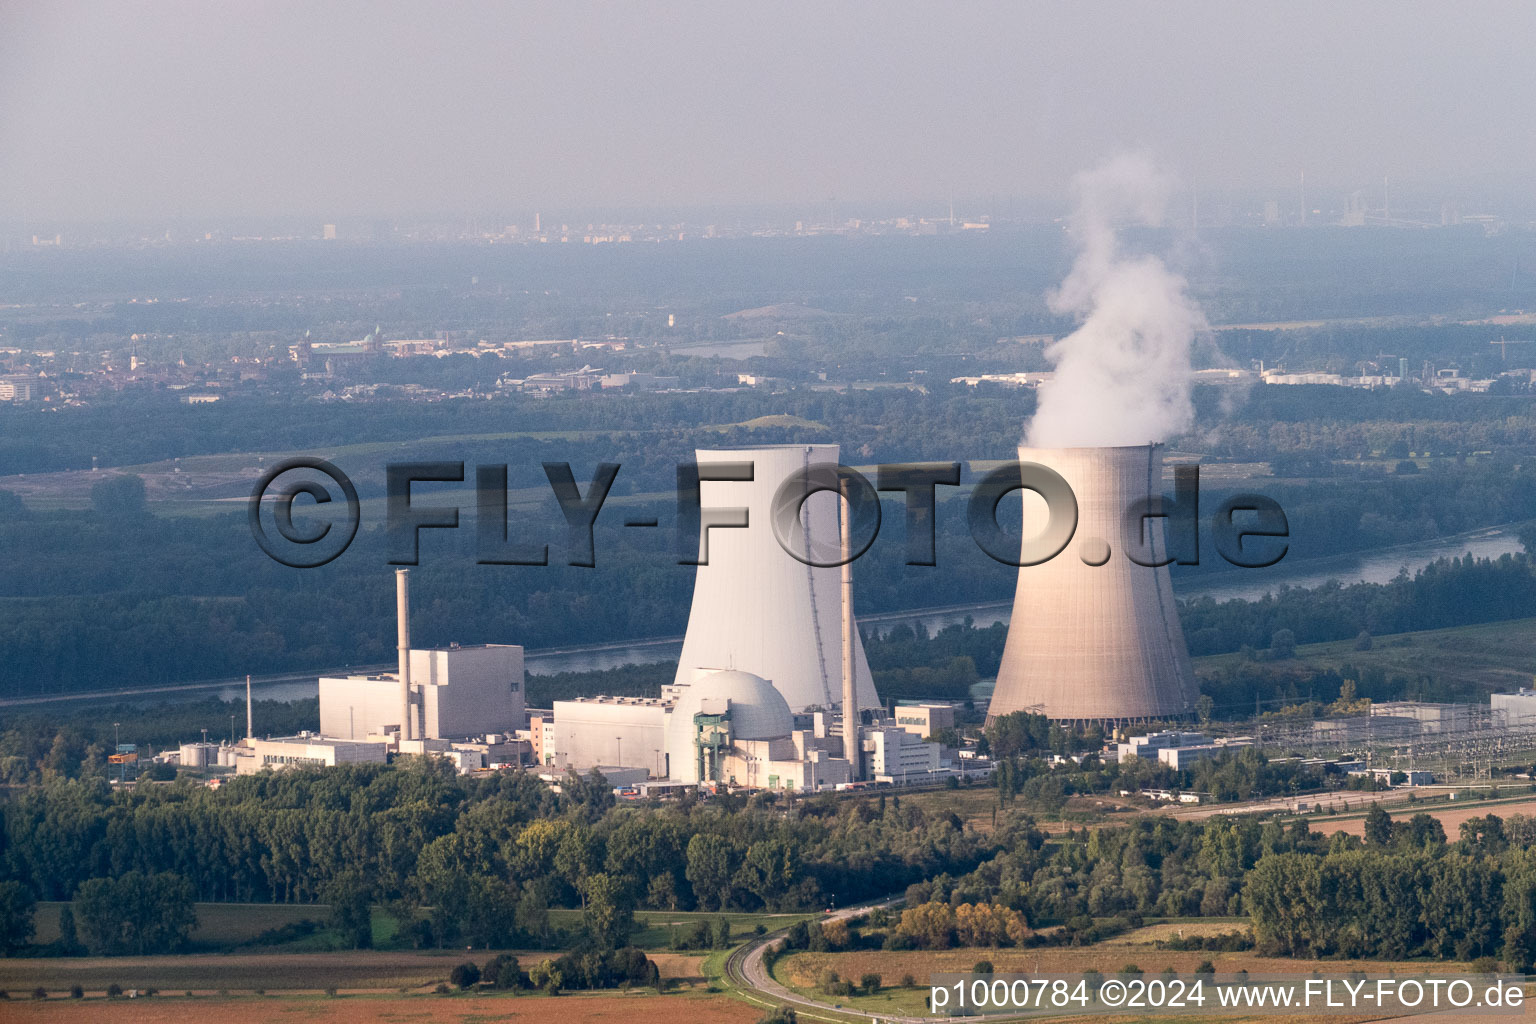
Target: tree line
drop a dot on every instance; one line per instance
(477, 861)
(1404, 890)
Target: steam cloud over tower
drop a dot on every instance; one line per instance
(758, 609)
(1096, 641)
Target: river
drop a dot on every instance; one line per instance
(1370, 567)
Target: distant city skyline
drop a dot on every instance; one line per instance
(275, 109)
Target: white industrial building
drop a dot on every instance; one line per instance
(1146, 747)
(756, 607)
(456, 692)
(736, 728)
(923, 720)
(593, 731)
(1412, 777)
(891, 752)
(1518, 708)
(1176, 749)
(1432, 717)
(1180, 758)
(729, 728)
(309, 750)
(724, 727)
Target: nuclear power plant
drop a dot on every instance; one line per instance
(758, 609)
(773, 690)
(1094, 636)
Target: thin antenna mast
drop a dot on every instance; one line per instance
(852, 738)
(403, 643)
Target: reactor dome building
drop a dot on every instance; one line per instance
(758, 609)
(1094, 636)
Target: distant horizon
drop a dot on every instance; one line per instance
(270, 109)
(1507, 201)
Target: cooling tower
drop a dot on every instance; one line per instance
(1096, 642)
(758, 609)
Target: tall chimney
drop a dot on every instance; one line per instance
(403, 642)
(249, 729)
(851, 731)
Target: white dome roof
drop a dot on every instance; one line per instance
(757, 712)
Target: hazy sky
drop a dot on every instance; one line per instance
(124, 109)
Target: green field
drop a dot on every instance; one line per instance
(1492, 656)
(225, 927)
(237, 972)
(655, 928)
(219, 925)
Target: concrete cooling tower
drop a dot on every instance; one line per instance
(758, 609)
(1096, 642)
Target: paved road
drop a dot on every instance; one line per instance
(746, 969)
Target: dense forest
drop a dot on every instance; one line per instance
(485, 859)
(1404, 891)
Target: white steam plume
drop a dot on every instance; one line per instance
(1123, 377)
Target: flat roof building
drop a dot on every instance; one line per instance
(1147, 747)
(1519, 708)
(896, 752)
(1432, 717)
(456, 692)
(619, 731)
(309, 751)
(925, 719)
(1180, 758)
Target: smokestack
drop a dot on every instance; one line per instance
(403, 642)
(249, 730)
(1095, 636)
(851, 717)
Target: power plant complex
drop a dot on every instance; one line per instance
(773, 689)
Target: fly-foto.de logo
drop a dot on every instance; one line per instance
(1247, 530)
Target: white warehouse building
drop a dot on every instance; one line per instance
(1519, 708)
(895, 753)
(308, 751)
(456, 692)
(593, 731)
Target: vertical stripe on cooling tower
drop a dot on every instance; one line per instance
(810, 578)
(1155, 490)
